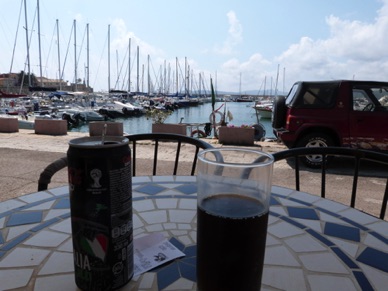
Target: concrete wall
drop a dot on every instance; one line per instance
(236, 136)
(51, 126)
(9, 124)
(169, 128)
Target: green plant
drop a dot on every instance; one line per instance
(158, 116)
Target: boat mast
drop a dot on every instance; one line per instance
(28, 44)
(165, 78)
(176, 75)
(108, 58)
(142, 78)
(186, 78)
(59, 57)
(240, 85)
(40, 50)
(14, 46)
(117, 70)
(161, 80)
(75, 57)
(148, 75)
(129, 65)
(137, 81)
(199, 80)
(87, 56)
(276, 83)
(169, 79)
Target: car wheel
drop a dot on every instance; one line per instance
(315, 140)
(279, 112)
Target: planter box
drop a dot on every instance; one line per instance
(112, 128)
(51, 126)
(9, 124)
(169, 128)
(236, 135)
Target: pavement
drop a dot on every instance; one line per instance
(24, 155)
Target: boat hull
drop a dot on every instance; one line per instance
(264, 113)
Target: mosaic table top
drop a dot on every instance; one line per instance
(312, 243)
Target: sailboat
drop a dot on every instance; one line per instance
(10, 95)
(243, 98)
(263, 107)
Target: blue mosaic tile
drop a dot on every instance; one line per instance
(45, 224)
(187, 189)
(184, 196)
(374, 258)
(5, 214)
(362, 280)
(273, 201)
(150, 189)
(189, 260)
(320, 237)
(168, 275)
(293, 222)
(360, 226)
(64, 216)
(300, 201)
(344, 257)
(274, 213)
(342, 231)
(191, 251)
(379, 236)
(304, 213)
(22, 218)
(62, 204)
(188, 271)
(180, 246)
(13, 243)
(329, 212)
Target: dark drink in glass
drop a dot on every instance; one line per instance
(233, 193)
(231, 237)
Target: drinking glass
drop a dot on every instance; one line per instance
(234, 186)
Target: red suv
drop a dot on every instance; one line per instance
(333, 113)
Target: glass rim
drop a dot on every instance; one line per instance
(270, 159)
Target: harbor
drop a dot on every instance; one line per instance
(78, 111)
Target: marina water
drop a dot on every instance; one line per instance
(243, 114)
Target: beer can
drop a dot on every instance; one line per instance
(100, 184)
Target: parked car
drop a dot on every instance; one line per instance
(333, 113)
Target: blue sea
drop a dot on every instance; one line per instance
(242, 112)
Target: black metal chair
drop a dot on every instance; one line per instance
(156, 140)
(159, 138)
(328, 154)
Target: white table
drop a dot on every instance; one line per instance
(312, 243)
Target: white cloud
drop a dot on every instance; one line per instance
(353, 49)
(234, 35)
(253, 72)
(122, 36)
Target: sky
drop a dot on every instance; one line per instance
(245, 45)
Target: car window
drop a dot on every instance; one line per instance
(382, 96)
(384, 101)
(370, 98)
(316, 95)
(292, 94)
(361, 101)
